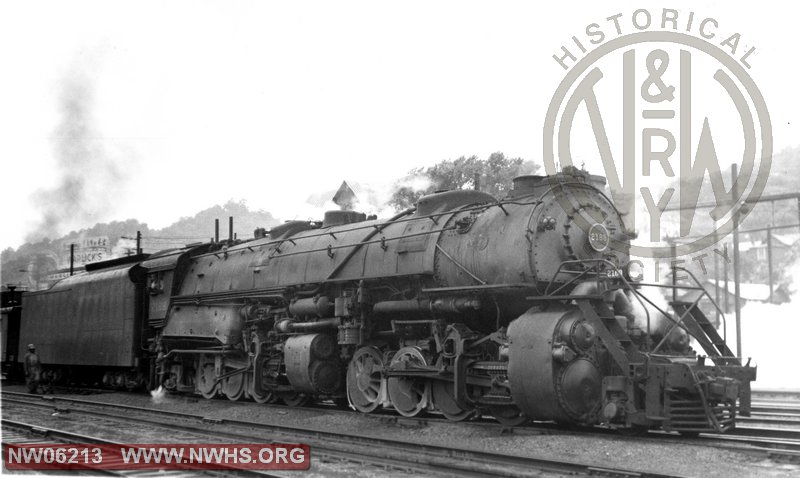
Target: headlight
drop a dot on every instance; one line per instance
(634, 271)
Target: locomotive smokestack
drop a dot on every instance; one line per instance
(345, 197)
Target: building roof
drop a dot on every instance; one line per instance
(745, 246)
(787, 240)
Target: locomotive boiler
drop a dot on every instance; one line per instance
(523, 308)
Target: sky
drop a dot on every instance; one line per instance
(157, 110)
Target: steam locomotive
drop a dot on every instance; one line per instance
(521, 308)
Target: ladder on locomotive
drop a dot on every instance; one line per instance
(699, 327)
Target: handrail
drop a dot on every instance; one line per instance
(705, 292)
(617, 275)
(676, 324)
(366, 240)
(580, 274)
(639, 296)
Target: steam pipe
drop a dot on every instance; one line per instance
(286, 325)
(446, 304)
(318, 307)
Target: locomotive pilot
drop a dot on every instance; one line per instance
(33, 369)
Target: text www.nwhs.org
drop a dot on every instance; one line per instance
(179, 457)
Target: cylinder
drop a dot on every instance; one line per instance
(310, 363)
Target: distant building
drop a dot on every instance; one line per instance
(781, 245)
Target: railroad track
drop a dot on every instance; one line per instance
(776, 394)
(776, 403)
(774, 409)
(773, 427)
(775, 436)
(765, 435)
(383, 453)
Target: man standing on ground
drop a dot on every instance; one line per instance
(33, 369)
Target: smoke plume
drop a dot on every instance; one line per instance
(89, 177)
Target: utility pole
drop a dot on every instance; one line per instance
(769, 261)
(138, 242)
(71, 258)
(736, 268)
(674, 248)
(727, 291)
(716, 277)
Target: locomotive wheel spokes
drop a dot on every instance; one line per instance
(445, 402)
(233, 386)
(205, 380)
(409, 396)
(364, 379)
(508, 415)
(294, 399)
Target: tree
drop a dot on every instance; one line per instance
(494, 176)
